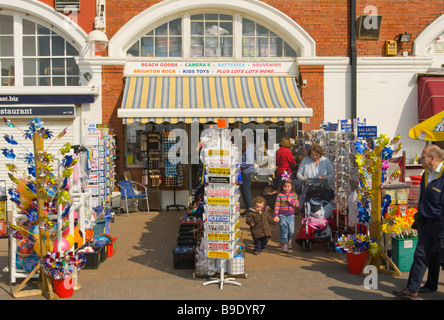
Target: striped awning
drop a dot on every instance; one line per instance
(203, 99)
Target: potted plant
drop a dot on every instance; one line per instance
(61, 267)
(357, 247)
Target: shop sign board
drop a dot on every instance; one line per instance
(46, 98)
(37, 111)
(192, 68)
(365, 132)
(345, 126)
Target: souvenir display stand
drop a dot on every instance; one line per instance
(339, 149)
(173, 171)
(221, 214)
(152, 154)
(102, 152)
(43, 213)
(371, 157)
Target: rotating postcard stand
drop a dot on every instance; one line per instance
(221, 214)
(221, 280)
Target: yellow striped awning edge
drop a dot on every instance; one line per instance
(204, 99)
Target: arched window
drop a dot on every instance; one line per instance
(41, 58)
(211, 35)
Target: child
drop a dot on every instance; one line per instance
(284, 209)
(257, 219)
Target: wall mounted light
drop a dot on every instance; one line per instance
(97, 40)
(403, 37)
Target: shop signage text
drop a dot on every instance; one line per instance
(367, 132)
(210, 68)
(33, 111)
(46, 98)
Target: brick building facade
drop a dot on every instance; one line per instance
(323, 62)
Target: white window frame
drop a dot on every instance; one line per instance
(237, 38)
(18, 49)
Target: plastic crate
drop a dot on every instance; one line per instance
(184, 257)
(93, 259)
(402, 253)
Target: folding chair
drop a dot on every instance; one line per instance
(127, 192)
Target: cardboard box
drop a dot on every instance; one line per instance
(402, 196)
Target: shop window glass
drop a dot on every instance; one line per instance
(259, 41)
(48, 59)
(211, 35)
(6, 50)
(164, 41)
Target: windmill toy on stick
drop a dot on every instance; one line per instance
(42, 197)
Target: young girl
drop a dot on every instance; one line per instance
(284, 209)
(257, 219)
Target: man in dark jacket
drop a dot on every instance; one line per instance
(429, 224)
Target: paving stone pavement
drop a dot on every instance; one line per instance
(142, 268)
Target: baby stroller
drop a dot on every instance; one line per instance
(318, 222)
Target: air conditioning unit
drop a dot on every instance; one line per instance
(67, 5)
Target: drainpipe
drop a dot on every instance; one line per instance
(353, 58)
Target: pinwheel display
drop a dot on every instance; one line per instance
(372, 154)
(54, 191)
(356, 244)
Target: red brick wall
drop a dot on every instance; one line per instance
(327, 21)
(85, 18)
(112, 91)
(313, 94)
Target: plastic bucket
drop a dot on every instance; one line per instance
(356, 262)
(64, 288)
(99, 227)
(415, 179)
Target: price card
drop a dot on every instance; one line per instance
(218, 152)
(220, 171)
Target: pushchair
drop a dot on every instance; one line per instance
(318, 221)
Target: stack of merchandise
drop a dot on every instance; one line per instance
(340, 149)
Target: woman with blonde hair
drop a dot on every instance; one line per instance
(315, 165)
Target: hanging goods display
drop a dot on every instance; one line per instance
(42, 198)
(221, 198)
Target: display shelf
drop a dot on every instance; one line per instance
(101, 176)
(221, 227)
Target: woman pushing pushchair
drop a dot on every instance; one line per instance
(314, 174)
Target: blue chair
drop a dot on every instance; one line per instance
(127, 192)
